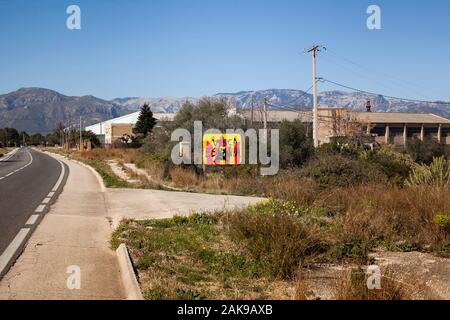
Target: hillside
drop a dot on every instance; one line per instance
(40, 110)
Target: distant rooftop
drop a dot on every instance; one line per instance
(99, 128)
(400, 117)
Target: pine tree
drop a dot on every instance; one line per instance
(145, 122)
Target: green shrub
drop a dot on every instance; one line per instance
(443, 221)
(395, 165)
(340, 145)
(296, 144)
(353, 249)
(425, 151)
(274, 234)
(435, 174)
(335, 170)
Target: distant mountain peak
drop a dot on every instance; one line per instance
(39, 109)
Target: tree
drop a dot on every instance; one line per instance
(145, 122)
(92, 137)
(296, 144)
(425, 151)
(36, 139)
(9, 137)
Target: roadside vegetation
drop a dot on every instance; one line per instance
(331, 206)
(3, 151)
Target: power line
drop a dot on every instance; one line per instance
(380, 94)
(368, 77)
(384, 74)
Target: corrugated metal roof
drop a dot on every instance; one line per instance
(99, 128)
(400, 117)
(280, 115)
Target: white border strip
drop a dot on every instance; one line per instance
(12, 249)
(17, 170)
(8, 155)
(32, 220)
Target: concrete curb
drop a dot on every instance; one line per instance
(129, 280)
(96, 174)
(8, 155)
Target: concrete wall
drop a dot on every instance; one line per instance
(114, 132)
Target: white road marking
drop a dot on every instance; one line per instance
(18, 241)
(9, 253)
(32, 220)
(17, 170)
(9, 155)
(40, 208)
(61, 177)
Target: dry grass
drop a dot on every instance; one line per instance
(389, 214)
(154, 169)
(184, 178)
(352, 285)
(4, 151)
(126, 155)
(191, 258)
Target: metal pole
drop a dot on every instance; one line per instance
(81, 136)
(265, 113)
(314, 51)
(316, 108)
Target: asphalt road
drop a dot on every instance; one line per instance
(26, 179)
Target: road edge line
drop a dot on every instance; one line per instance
(103, 188)
(8, 263)
(127, 274)
(13, 251)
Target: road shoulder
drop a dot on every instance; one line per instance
(70, 244)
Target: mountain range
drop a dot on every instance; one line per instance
(40, 110)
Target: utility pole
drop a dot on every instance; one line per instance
(81, 136)
(314, 50)
(265, 113)
(251, 116)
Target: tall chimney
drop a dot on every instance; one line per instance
(368, 106)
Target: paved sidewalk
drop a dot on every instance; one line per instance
(143, 204)
(75, 232)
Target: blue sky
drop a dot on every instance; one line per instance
(201, 47)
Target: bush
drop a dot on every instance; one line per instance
(425, 151)
(352, 285)
(395, 165)
(443, 221)
(335, 170)
(296, 145)
(274, 234)
(341, 145)
(435, 174)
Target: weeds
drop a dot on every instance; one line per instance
(189, 258)
(352, 285)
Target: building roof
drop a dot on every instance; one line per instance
(99, 128)
(279, 115)
(400, 117)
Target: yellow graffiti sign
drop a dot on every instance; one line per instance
(222, 149)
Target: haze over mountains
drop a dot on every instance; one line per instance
(40, 110)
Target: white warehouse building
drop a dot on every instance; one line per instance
(111, 131)
(130, 119)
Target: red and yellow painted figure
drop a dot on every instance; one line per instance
(222, 149)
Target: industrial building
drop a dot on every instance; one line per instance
(112, 131)
(385, 127)
(395, 128)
